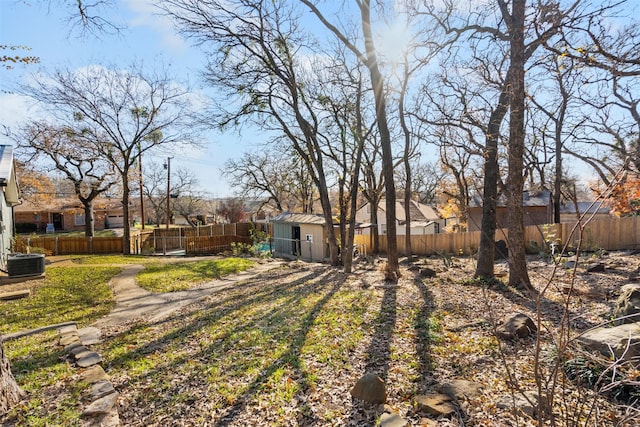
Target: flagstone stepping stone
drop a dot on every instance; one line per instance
(90, 359)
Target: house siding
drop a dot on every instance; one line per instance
(532, 215)
(315, 249)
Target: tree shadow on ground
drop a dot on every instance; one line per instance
(424, 337)
(289, 319)
(379, 351)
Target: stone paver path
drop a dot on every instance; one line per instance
(134, 302)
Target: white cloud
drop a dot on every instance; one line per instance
(147, 14)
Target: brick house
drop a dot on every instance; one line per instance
(66, 215)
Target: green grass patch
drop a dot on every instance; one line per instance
(159, 277)
(78, 294)
(39, 366)
(113, 259)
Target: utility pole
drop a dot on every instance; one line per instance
(141, 192)
(168, 166)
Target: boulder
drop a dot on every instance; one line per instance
(461, 389)
(518, 326)
(435, 404)
(623, 340)
(102, 406)
(628, 304)
(392, 420)
(427, 272)
(597, 267)
(370, 388)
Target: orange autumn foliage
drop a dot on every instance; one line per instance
(625, 197)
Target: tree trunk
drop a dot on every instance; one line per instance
(377, 81)
(126, 235)
(486, 249)
(89, 220)
(10, 393)
(407, 167)
(518, 275)
(375, 229)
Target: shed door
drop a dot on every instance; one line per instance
(295, 235)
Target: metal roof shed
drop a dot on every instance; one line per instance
(300, 236)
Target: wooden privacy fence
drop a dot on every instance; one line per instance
(216, 237)
(71, 245)
(213, 244)
(178, 238)
(609, 233)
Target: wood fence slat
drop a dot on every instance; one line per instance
(608, 233)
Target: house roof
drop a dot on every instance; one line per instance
(529, 199)
(585, 207)
(62, 204)
(420, 213)
(299, 218)
(8, 175)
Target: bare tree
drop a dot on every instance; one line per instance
(233, 210)
(370, 59)
(255, 60)
(120, 114)
(187, 199)
(84, 167)
(274, 175)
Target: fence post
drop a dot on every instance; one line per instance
(55, 251)
(91, 245)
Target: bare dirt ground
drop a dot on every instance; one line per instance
(462, 316)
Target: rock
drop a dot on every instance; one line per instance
(90, 335)
(94, 374)
(461, 389)
(596, 268)
(628, 304)
(69, 339)
(392, 420)
(436, 404)
(102, 406)
(73, 346)
(616, 339)
(101, 389)
(569, 265)
(526, 403)
(370, 388)
(501, 250)
(427, 272)
(67, 329)
(112, 419)
(90, 359)
(518, 326)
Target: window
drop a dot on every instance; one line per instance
(36, 217)
(79, 218)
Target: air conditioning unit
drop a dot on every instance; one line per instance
(25, 265)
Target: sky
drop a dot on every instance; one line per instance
(42, 25)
